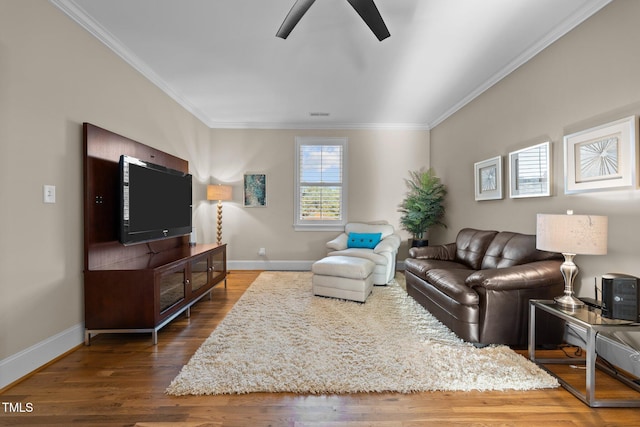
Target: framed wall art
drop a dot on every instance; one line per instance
(255, 190)
(601, 158)
(488, 179)
(529, 171)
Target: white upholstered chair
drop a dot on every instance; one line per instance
(359, 241)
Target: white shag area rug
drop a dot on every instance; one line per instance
(279, 337)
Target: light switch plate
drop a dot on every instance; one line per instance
(49, 193)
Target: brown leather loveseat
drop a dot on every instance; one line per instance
(480, 286)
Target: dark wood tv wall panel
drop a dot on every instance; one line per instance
(102, 151)
(142, 287)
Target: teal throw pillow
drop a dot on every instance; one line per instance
(363, 240)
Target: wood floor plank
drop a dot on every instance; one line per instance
(119, 380)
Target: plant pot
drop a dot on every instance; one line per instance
(418, 243)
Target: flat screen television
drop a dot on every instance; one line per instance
(155, 201)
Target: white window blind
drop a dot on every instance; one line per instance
(320, 183)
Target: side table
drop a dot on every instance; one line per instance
(591, 320)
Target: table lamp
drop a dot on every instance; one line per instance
(219, 193)
(571, 235)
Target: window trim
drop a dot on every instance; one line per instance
(302, 225)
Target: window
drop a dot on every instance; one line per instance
(321, 191)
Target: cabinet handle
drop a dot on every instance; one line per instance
(186, 282)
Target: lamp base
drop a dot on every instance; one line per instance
(219, 241)
(568, 302)
(569, 271)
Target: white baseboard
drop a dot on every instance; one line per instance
(280, 265)
(270, 265)
(25, 362)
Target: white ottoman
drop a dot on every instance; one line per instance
(343, 277)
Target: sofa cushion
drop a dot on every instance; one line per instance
(445, 252)
(508, 249)
(361, 253)
(363, 240)
(419, 267)
(471, 245)
(530, 275)
(451, 282)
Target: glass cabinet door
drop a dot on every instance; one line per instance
(199, 273)
(218, 266)
(172, 288)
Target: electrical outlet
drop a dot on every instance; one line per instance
(49, 194)
(262, 252)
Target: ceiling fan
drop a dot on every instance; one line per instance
(365, 8)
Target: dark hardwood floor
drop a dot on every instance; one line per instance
(120, 380)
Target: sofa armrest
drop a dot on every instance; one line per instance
(388, 244)
(525, 276)
(442, 252)
(339, 243)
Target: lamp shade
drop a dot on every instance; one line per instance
(219, 192)
(573, 234)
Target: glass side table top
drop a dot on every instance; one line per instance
(586, 314)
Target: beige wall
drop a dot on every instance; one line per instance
(378, 162)
(588, 77)
(53, 77)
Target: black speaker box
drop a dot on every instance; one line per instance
(620, 297)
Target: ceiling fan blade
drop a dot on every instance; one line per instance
(371, 16)
(295, 14)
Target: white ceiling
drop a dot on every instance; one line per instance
(220, 59)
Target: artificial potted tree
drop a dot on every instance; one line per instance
(423, 206)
